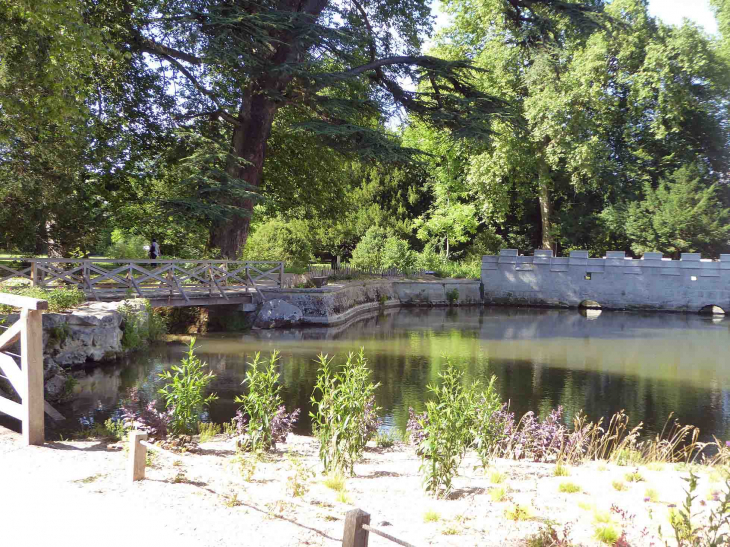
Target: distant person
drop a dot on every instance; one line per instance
(154, 251)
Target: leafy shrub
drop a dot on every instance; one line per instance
(448, 430)
(140, 325)
(634, 476)
(183, 392)
(125, 245)
(651, 495)
(498, 494)
(138, 413)
(369, 251)
(117, 429)
(264, 419)
(497, 478)
(518, 513)
(452, 296)
(398, 254)
(561, 470)
(59, 300)
(619, 486)
(277, 239)
(346, 415)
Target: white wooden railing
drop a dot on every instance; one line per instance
(105, 279)
(27, 380)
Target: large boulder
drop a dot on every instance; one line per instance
(277, 313)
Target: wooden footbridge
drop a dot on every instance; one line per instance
(163, 282)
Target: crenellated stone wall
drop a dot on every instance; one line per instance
(615, 281)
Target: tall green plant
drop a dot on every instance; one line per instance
(184, 392)
(346, 415)
(487, 430)
(447, 428)
(262, 400)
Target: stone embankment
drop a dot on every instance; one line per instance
(337, 303)
(91, 333)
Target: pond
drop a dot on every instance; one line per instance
(648, 364)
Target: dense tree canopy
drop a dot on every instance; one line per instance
(311, 124)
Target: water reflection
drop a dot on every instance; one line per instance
(649, 365)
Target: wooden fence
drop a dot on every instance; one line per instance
(27, 380)
(112, 279)
(344, 272)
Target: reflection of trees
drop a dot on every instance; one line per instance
(623, 362)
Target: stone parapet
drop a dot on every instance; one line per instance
(614, 281)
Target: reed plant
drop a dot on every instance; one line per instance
(345, 415)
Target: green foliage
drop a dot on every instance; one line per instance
(335, 481)
(346, 415)
(448, 430)
(117, 429)
(498, 494)
(606, 533)
(518, 513)
(59, 333)
(568, 488)
(431, 516)
(208, 430)
(279, 240)
(141, 325)
(398, 254)
(561, 470)
(59, 300)
(124, 245)
(683, 214)
(619, 486)
(369, 251)
(387, 439)
(262, 401)
(714, 533)
(298, 476)
(635, 476)
(452, 296)
(184, 390)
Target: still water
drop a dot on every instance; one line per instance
(648, 364)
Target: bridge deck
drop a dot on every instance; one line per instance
(163, 282)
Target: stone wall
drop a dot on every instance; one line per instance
(615, 281)
(91, 333)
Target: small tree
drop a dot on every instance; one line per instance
(683, 214)
(369, 251)
(183, 392)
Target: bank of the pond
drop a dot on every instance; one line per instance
(201, 498)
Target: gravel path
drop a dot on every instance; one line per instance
(75, 493)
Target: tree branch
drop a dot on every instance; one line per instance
(150, 46)
(208, 93)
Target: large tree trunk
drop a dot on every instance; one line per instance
(544, 184)
(248, 143)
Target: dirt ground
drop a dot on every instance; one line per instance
(77, 493)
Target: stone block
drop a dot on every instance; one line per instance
(578, 254)
(615, 254)
(542, 253)
(694, 257)
(652, 256)
(509, 252)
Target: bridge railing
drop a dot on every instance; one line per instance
(106, 278)
(26, 380)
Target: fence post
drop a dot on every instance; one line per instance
(355, 535)
(137, 456)
(31, 362)
(281, 275)
(33, 274)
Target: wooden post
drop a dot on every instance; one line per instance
(33, 274)
(31, 364)
(137, 456)
(354, 535)
(281, 275)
